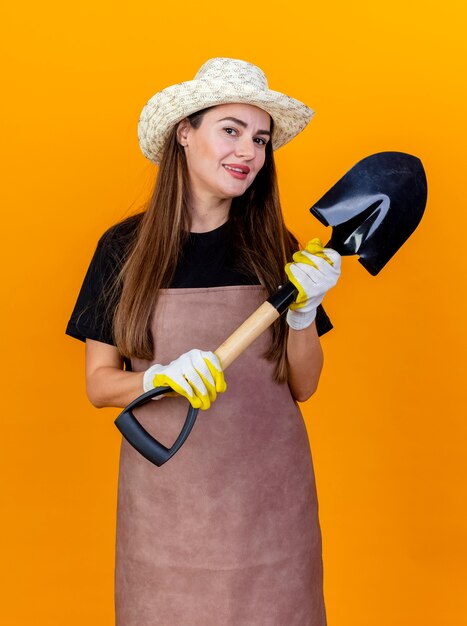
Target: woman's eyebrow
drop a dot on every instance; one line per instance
(241, 123)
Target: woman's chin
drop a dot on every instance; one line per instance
(235, 190)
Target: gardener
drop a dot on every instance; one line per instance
(227, 532)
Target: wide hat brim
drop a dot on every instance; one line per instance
(169, 106)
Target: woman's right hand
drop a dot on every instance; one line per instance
(196, 375)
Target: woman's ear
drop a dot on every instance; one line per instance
(183, 129)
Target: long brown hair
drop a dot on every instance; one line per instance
(262, 244)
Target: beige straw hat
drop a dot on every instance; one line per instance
(219, 81)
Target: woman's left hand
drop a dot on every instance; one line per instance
(314, 271)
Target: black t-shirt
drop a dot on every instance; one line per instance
(208, 260)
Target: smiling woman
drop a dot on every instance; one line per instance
(223, 154)
(226, 533)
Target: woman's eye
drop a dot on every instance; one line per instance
(261, 141)
(230, 131)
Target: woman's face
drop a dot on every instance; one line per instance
(227, 151)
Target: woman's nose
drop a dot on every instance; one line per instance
(245, 147)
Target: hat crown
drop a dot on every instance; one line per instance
(233, 71)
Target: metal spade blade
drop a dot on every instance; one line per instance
(375, 207)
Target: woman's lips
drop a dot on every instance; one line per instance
(236, 170)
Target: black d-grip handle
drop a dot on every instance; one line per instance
(141, 440)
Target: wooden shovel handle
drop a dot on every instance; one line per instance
(256, 324)
(245, 334)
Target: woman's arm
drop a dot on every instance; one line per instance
(314, 271)
(196, 375)
(107, 384)
(305, 358)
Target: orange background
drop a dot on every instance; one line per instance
(387, 425)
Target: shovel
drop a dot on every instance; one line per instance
(373, 210)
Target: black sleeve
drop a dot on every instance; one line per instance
(323, 323)
(93, 313)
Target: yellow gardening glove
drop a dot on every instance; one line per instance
(314, 271)
(196, 375)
